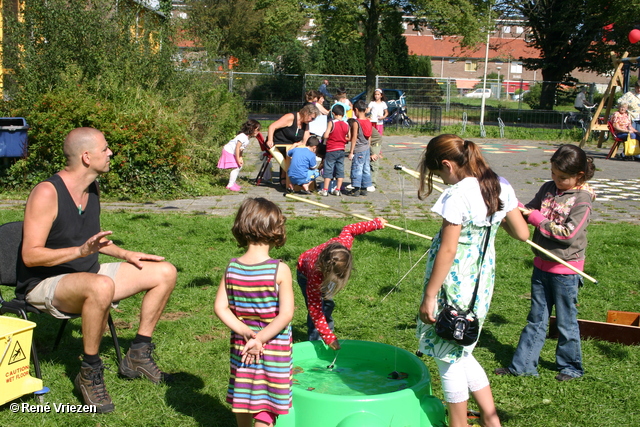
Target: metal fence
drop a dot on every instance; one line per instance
(292, 87)
(431, 102)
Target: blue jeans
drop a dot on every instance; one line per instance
(333, 164)
(624, 135)
(361, 169)
(327, 308)
(547, 290)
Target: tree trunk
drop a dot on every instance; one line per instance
(549, 85)
(548, 95)
(371, 45)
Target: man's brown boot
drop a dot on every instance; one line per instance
(138, 361)
(90, 383)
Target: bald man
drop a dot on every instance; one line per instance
(60, 273)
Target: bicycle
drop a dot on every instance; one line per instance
(582, 119)
(399, 117)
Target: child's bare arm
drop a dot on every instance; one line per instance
(442, 265)
(238, 154)
(282, 122)
(285, 303)
(328, 131)
(354, 136)
(225, 314)
(515, 225)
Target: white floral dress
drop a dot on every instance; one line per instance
(462, 203)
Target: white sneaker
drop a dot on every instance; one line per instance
(323, 193)
(371, 189)
(349, 187)
(335, 192)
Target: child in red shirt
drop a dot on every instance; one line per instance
(336, 137)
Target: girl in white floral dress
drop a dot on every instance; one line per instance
(476, 200)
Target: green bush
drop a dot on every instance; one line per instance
(82, 65)
(212, 115)
(532, 98)
(147, 141)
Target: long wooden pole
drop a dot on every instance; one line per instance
(532, 244)
(416, 175)
(322, 205)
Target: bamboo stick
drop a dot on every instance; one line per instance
(550, 255)
(532, 244)
(322, 205)
(416, 175)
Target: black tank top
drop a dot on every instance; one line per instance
(290, 134)
(70, 228)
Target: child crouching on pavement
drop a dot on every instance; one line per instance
(303, 167)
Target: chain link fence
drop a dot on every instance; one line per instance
(431, 102)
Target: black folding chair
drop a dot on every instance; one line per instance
(10, 247)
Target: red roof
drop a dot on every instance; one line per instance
(449, 47)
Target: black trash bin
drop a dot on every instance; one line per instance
(13, 137)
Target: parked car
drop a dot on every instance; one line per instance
(393, 97)
(479, 93)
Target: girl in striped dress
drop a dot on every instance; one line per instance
(255, 300)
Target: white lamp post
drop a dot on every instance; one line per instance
(499, 85)
(484, 87)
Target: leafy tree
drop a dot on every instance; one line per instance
(372, 42)
(376, 22)
(393, 55)
(571, 34)
(226, 27)
(247, 29)
(350, 35)
(90, 64)
(338, 44)
(469, 19)
(420, 66)
(56, 36)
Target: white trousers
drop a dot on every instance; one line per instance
(460, 377)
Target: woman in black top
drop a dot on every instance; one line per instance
(292, 128)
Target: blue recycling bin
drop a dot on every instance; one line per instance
(13, 137)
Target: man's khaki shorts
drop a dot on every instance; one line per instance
(41, 297)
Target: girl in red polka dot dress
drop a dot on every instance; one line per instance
(323, 271)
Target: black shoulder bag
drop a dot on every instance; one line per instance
(458, 325)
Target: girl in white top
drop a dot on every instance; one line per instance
(378, 110)
(477, 202)
(231, 157)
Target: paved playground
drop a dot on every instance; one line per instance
(524, 163)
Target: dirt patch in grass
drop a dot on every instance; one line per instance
(122, 324)
(174, 315)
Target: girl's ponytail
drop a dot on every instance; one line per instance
(489, 181)
(468, 157)
(335, 264)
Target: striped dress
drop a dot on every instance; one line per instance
(253, 297)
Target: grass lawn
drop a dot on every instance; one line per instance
(193, 343)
